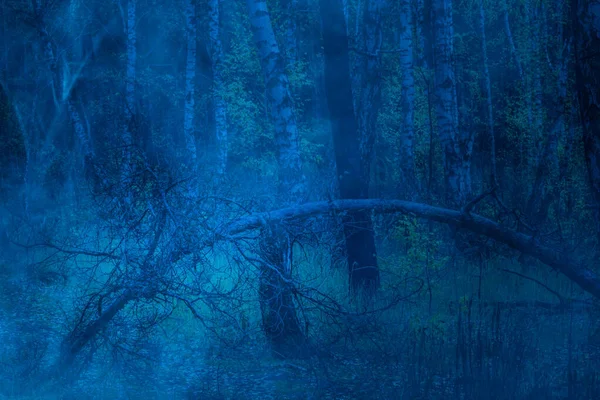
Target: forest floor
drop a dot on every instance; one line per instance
(268, 379)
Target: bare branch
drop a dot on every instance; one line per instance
(554, 292)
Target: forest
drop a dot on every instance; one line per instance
(300, 199)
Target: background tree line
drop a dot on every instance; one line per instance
(292, 198)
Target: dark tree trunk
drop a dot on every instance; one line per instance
(407, 184)
(457, 143)
(279, 318)
(586, 19)
(358, 227)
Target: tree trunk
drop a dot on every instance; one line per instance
(291, 40)
(218, 85)
(278, 310)
(566, 262)
(190, 85)
(511, 42)
(548, 162)
(408, 181)
(358, 227)
(72, 345)
(346, 12)
(457, 145)
(280, 322)
(418, 20)
(129, 111)
(279, 100)
(488, 92)
(586, 18)
(58, 86)
(369, 100)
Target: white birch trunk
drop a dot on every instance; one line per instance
(419, 22)
(488, 92)
(129, 111)
(346, 9)
(219, 103)
(60, 90)
(280, 321)
(369, 93)
(190, 84)
(457, 145)
(513, 49)
(291, 47)
(279, 100)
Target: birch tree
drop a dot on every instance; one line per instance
(61, 88)
(488, 93)
(586, 20)
(129, 109)
(280, 321)
(540, 197)
(457, 144)
(220, 108)
(291, 39)
(59, 79)
(369, 79)
(190, 83)
(407, 100)
(511, 42)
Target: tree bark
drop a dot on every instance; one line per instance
(61, 90)
(418, 19)
(280, 322)
(369, 100)
(488, 92)
(358, 227)
(548, 162)
(218, 85)
(291, 40)
(129, 111)
(457, 144)
(73, 345)
(279, 100)
(586, 20)
(190, 85)
(511, 42)
(407, 181)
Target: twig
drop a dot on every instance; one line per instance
(554, 292)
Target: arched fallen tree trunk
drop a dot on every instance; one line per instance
(566, 264)
(569, 266)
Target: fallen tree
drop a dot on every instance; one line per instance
(564, 263)
(569, 266)
(73, 345)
